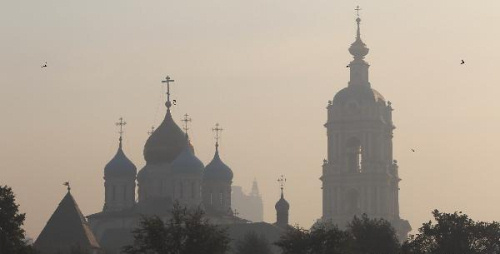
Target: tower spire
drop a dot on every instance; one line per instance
(358, 66)
(168, 80)
(121, 123)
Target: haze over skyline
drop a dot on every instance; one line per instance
(265, 71)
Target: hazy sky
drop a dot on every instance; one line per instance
(263, 69)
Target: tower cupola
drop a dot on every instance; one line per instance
(282, 206)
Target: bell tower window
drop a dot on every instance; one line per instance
(354, 155)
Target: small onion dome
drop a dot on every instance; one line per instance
(282, 204)
(187, 163)
(166, 142)
(217, 170)
(120, 165)
(358, 48)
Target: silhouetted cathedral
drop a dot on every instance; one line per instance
(360, 175)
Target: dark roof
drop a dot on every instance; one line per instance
(66, 229)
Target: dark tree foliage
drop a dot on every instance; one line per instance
(12, 236)
(295, 241)
(454, 233)
(373, 236)
(186, 232)
(329, 239)
(322, 239)
(362, 236)
(252, 243)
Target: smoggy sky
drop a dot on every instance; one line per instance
(263, 69)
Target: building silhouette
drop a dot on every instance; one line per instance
(360, 174)
(248, 206)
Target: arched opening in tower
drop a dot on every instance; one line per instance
(354, 154)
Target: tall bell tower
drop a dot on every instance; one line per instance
(360, 174)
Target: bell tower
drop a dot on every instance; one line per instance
(360, 174)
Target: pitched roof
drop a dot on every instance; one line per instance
(66, 229)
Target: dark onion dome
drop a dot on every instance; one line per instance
(217, 170)
(166, 142)
(282, 204)
(187, 163)
(120, 165)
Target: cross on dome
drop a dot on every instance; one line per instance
(121, 123)
(217, 131)
(282, 181)
(168, 80)
(186, 121)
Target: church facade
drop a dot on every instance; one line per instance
(360, 174)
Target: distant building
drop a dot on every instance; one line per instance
(248, 206)
(360, 175)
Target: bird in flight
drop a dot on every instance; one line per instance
(174, 102)
(45, 65)
(413, 150)
(462, 62)
(347, 66)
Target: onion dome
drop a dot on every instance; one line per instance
(217, 170)
(187, 162)
(282, 204)
(120, 165)
(165, 143)
(358, 48)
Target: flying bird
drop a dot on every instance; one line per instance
(463, 62)
(347, 66)
(45, 65)
(413, 150)
(174, 102)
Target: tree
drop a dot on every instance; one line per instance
(373, 236)
(295, 240)
(12, 236)
(252, 243)
(324, 238)
(454, 233)
(186, 232)
(327, 238)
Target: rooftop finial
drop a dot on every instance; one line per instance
(67, 186)
(358, 20)
(282, 181)
(121, 123)
(186, 121)
(217, 131)
(168, 80)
